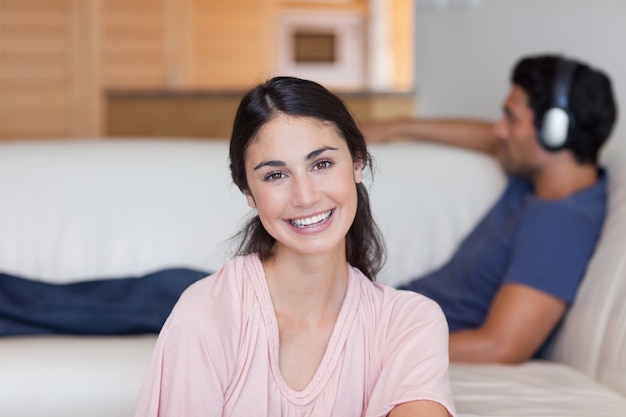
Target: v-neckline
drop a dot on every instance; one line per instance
(336, 342)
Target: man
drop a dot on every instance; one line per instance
(509, 284)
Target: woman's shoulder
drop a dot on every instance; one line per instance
(400, 320)
(233, 270)
(222, 289)
(402, 303)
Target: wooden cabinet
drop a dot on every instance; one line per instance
(134, 36)
(59, 58)
(210, 114)
(48, 85)
(229, 43)
(185, 44)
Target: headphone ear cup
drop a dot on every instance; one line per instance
(554, 129)
(555, 124)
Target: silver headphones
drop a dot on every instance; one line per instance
(557, 120)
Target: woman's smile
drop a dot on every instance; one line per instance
(305, 222)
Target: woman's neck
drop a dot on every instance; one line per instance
(308, 286)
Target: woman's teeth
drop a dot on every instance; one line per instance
(320, 218)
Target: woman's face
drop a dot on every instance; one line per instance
(302, 181)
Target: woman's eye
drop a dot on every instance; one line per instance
(273, 176)
(322, 164)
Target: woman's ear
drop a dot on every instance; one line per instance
(358, 171)
(250, 198)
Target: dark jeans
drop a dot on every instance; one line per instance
(120, 306)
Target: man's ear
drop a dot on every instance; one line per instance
(250, 198)
(358, 171)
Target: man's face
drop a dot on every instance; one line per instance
(520, 152)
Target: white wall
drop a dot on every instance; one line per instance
(465, 49)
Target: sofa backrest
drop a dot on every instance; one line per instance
(593, 334)
(426, 198)
(82, 210)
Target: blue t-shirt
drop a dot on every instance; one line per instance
(522, 239)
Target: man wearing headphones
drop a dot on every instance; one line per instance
(509, 284)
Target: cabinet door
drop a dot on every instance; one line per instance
(231, 43)
(135, 35)
(47, 86)
(186, 44)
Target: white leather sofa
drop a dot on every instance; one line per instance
(86, 210)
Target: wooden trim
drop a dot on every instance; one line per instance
(88, 102)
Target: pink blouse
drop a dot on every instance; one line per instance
(217, 354)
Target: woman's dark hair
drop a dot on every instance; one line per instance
(303, 98)
(591, 102)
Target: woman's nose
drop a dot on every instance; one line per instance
(304, 191)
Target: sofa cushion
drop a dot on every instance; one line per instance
(72, 376)
(532, 389)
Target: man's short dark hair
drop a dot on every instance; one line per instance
(591, 101)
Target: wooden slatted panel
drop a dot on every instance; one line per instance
(36, 62)
(134, 44)
(402, 17)
(232, 43)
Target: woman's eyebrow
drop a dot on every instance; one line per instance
(311, 155)
(269, 164)
(318, 152)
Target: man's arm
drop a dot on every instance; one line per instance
(519, 321)
(467, 133)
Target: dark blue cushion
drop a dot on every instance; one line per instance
(119, 306)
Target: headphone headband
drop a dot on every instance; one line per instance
(564, 78)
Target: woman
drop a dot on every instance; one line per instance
(294, 325)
